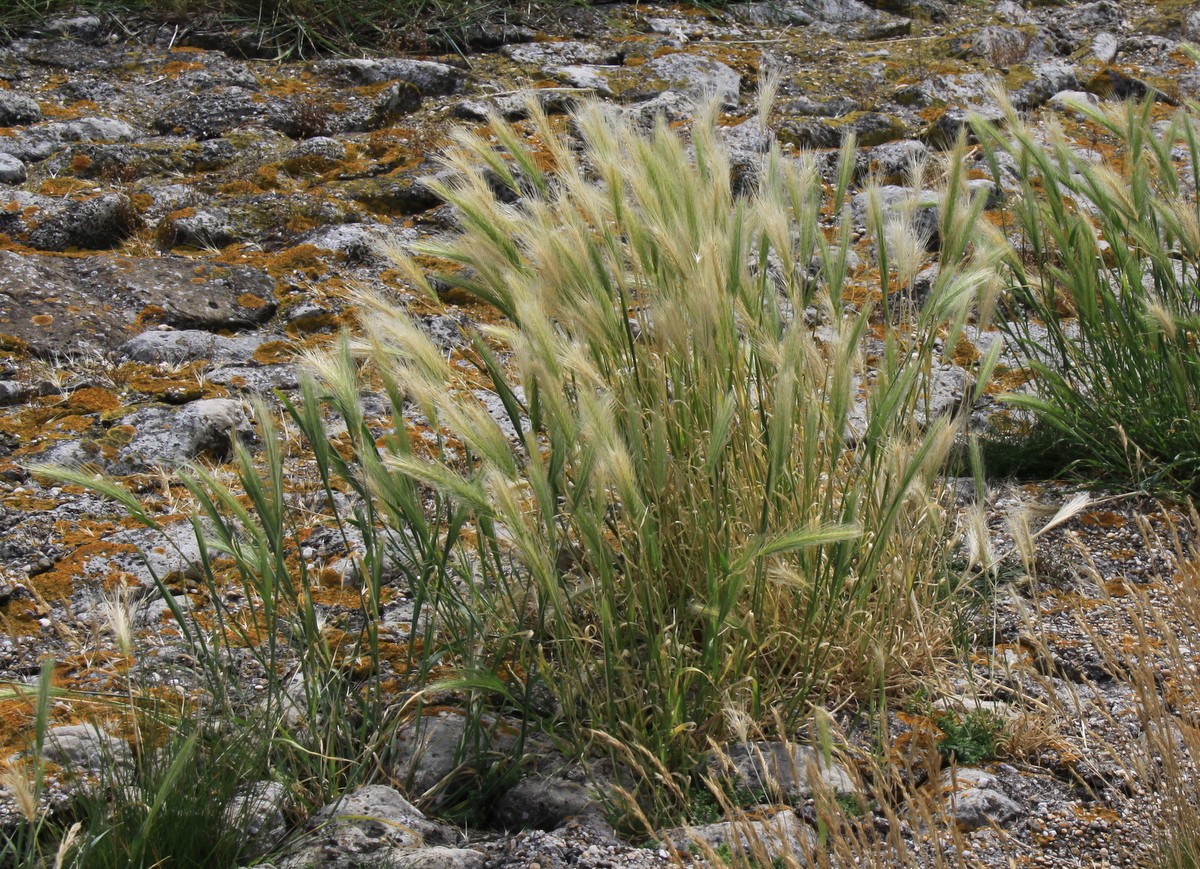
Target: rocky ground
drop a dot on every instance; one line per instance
(179, 221)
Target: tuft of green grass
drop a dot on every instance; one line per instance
(177, 799)
(1102, 299)
(177, 805)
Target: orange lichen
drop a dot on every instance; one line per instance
(315, 323)
(12, 344)
(240, 187)
(275, 352)
(301, 223)
(1103, 519)
(149, 316)
(1006, 379)
(267, 177)
(64, 186)
(183, 385)
(175, 67)
(249, 300)
(92, 399)
(58, 583)
(964, 353)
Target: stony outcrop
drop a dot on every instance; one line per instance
(180, 219)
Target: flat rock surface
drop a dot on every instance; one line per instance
(86, 305)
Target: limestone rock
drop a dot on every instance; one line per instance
(439, 857)
(175, 347)
(697, 77)
(358, 243)
(780, 835)
(514, 106)
(975, 800)
(203, 428)
(170, 554)
(1103, 13)
(945, 129)
(791, 771)
(1105, 46)
(370, 827)
(545, 802)
(60, 305)
(771, 14)
(211, 113)
(17, 109)
(567, 53)
(258, 811)
(39, 141)
(12, 170)
(397, 99)
(1050, 79)
(591, 78)
(200, 228)
(430, 749)
(809, 133)
(315, 155)
(90, 224)
(671, 106)
(892, 162)
(430, 78)
(85, 748)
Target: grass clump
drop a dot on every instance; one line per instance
(687, 506)
(184, 792)
(1103, 300)
(684, 486)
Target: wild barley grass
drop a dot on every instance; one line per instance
(1103, 298)
(699, 507)
(695, 501)
(320, 729)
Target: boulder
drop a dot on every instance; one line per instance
(430, 749)
(175, 347)
(429, 78)
(96, 223)
(212, 113)
(781, 836)
(694, 76)
(39, 141)
(566, 53)
(975, 799)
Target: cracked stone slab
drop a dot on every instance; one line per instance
(88, 305)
